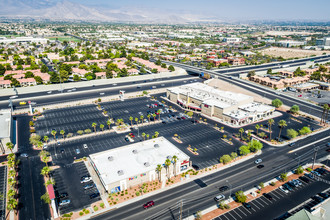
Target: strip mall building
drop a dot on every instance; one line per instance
(234, 108)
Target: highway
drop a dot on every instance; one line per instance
(241, 177)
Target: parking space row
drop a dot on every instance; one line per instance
(3, 191)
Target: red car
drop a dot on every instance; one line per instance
(148, 204)
(131, 135)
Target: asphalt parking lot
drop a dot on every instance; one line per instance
(67, 179)
(3, 191)
(263, 208)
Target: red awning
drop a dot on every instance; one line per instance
(195, 107)
(51, 192)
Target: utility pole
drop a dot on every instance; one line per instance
(315, 152)
(181, 210)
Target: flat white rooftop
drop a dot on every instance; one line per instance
(5, 120)
(134, 159)
(255, 107)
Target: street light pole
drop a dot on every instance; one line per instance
(229, 189)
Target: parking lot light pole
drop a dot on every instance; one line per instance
(229, 189)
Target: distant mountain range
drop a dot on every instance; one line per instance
(69, 11)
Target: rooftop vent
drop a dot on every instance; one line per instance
(169, 157)
(156, 145)
(147, 164)
(134, 151)
(110, 158)
(120, 172)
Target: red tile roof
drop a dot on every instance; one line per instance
(51, 192)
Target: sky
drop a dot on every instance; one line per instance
(231, 9)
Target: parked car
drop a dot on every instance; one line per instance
(323, 195)
(148, 204)
(223, 188)
(85, 146)
(65, 202)
(268, 196)
(247, 205)
(258, 161)
(309, 175)
(94, 195)
(85, 179)
(89, 186)
(126, 139)
(24, 155)
(315, 173)
(77, 151)
(219, 198)
(284, 189)
(63, 195)
(287, 187)
(292, 144)
(317, 199)
(305, 179)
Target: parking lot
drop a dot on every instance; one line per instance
(281, 202)
(68, 180)
(3, 187)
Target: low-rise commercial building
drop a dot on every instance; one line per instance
(134, 164)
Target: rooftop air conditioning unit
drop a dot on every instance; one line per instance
(134, 151)
(147, 164)
(120, 172)
(110, 158)
(156, 145)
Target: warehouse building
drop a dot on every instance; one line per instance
(233, 108)
(131, 165)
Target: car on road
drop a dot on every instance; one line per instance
(284, 189)
(223, 188)
(219, 197)
(258, 161)
(49, 92)
(268, 196)
(85, 146)
(63, 195)
(65, 202)
(247, 205)
(89, 186)
(22, 103)
(260, 166)
(102, 93)
(77, 151)
(85, 179)
(148, 204)
(24, 155)
(94, 195)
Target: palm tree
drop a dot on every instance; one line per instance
(149, 116)
(10, 146)
(148, 135)
(102, 126)
(136, 121)
(12, 205)
(142, 117)
(156, 133)
(270, 123)
(154, 116)
(159, 171)
(54, 134)
(282, 124)
(167, 166)
(44, 156)
(159, 111)
(131, 119)
(257, 127)
(46, 138)
(62, 132)
(94, 126)
(241, 130)
(45, 171)
(144, 136)
(174, 160)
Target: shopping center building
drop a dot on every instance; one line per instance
(134, 164)
(233, 108)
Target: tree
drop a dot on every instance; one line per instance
(240, 197)
(156, 134)
(241, 130)
(94, 126)
(291, 133)
(270, 123)
(167, 166)
(10, 146)
(131, 119)
(34, 139)
(64, 75)
(324, 113)
(277, 103)
(62, 132)
(109, 122)
(53, 132)
(255, 145)
(136, 121)
(174, 160)
(148, 135)
(149, 116)
(262, 185)
(299, 170)
(281, 124)
(45, 198)
(190, 114)
(233, 155)
(269, 71)
(142, 117)
(44, 68)
(38, 80)
(294, 109)
(244, 150)
(251, 73)
(305, 130)
(284, 177)
(154, 116)
(225, 159)
(144, 136)
(159, 111)
(159, 171)
(171, 68)
(257, 127)
(102, 126)
(45, 171)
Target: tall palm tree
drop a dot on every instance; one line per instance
(241, 130)
(257, 127)
(136, 121)
(174, 160)
(54, 134)
(142, 117)
(154, 116)
(10, 146)
(149, 116)
(270, 123)
(144, 136)
(102, 126)
(167, 166)
(131, 119)
(109, 123)
(45, 156)
(94, 126)
(148, 135)
(159, 171)
(282, 124)
(45, 171)
(62, 132)
(156, 133)
(46, 138)
(159, 111)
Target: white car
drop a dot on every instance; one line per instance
(85, 146)
(283, 189)
(65, 202)
(219, 197)
(85, 179)
(258, 161)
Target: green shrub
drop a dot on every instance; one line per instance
(137, 193)
(272, 184)
(284, 177)
(81, 213)
(309, 169)
(96, 208)
(86, 211)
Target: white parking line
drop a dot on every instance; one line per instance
(263, 199)
(256, 200)
(238, 209)
(278, 194)
(237, 213)
(231, 215)
(225, 216)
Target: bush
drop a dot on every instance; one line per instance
(88, 131)
(277, 103)
(262, 185)
(80, 132)
(96, 208)
(299, 170)
(32, 130)
(272, 184)
(291, 133)
(305, 130)
(225, 159)
(138, 193)
(81, 213)
(31, 123)
(86, 211)
(309, 169)
(284, 177)
(240, 197)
